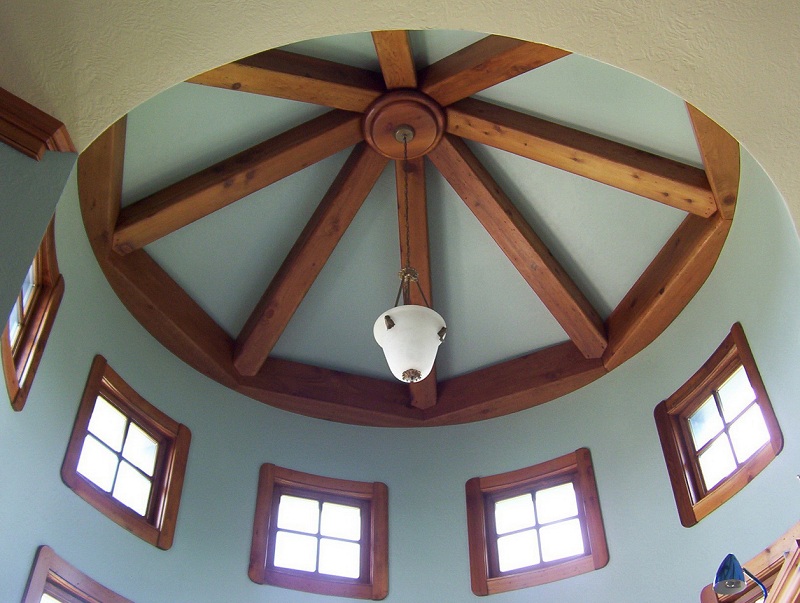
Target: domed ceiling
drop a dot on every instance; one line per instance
(561, 213)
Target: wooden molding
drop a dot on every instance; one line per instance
(396, 59)
(30, 130)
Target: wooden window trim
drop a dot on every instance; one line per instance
(575, 467)
(671, 416)
(158, 527)
(21, 362)
(371, 495)
(53, 575)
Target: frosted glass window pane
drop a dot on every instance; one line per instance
(513, 514)
(735, 394)
(97, 463)
(13, 323)
(341, 521)
(132, 488)
(140, 449)
(517, 550)
(48, 599)
(705, 423)
(748, 433)
(27, 287)
(298, 514)
(339, 558)
(560, 540)
(295, 551)
(556, 503)
(108, 424)
(717, 462)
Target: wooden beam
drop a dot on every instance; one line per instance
(148, 292)
(306, 259)
(720, 153)
(519, 242)
(396, 58)
(423, 393)
(234, 178)
(514, 385)
(657, 178)
(30, 130)
(298, 77)
(487, 62)
(665, 287)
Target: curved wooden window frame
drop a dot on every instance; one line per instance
(52, 575)
(693, 500)
(371, 497)
(576, 468)
(21, 358)
(158, 526)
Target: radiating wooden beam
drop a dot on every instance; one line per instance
(30, 130)
(423, 393)
(306, 258)
(519, 242)
(514, 385)
(148, 292)
(487, 62)
(395, 58)
(234, 178)
(298, 77)
(720, 153)
(665, 287)
(664, 180)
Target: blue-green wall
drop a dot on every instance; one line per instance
(756, 282)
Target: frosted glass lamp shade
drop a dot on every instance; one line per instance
(410, 336)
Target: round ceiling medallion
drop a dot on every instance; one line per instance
(403, 108)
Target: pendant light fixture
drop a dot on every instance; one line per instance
(410, 335)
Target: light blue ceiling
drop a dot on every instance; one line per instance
(603, 237)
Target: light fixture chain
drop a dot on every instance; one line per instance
(408, 228)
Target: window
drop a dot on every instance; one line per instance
(320, 535)
(127, 458)
(534, 525)
(53, 579)
(32, 316)
(718, 431)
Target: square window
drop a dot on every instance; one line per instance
(718, 430)
(25, 334)
(534, 525)
(53, 580)
(320, 534)
(127, 458)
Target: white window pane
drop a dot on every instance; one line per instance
(341, 521)
(140, 449)
(705, 423)
(517, 550)
(748, 433)
(108, 424)
(132, 488)
(27, 287)
(295, 551)
(717, 462)
(97, 463)
(13, 323)
(735, 394)
(48, 599)
(560, 540)
(556, 503)
(513, 514)
(339, 558)
(298, 514)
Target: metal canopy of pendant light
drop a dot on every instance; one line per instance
(410, 335)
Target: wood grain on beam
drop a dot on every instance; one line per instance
(306, 258)
(514, 385)
(298, 77)
(395, 58)
(665, 287)
(423, 393)
(519, 242)
(148, 292)
(720, 153)
(30, 130)
(664, 180)
(234, 178)
(487, 62)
